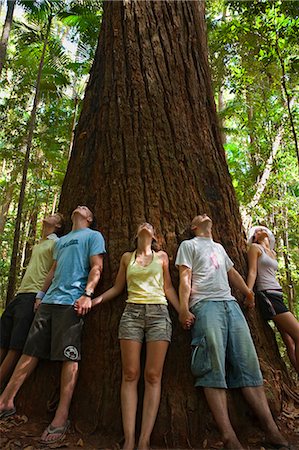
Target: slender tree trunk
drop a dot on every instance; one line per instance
(31, 125)
(263, 179)
(6, 202)
(286, 250)
(6, 31)
(74, 121)
(288, 100)
(30, 241)
(148, 147)
(1, 6)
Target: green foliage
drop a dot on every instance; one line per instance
(74, 28)
(254, 51)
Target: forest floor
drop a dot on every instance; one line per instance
(19, 433)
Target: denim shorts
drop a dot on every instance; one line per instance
(151, 322)
(223, 353)
(55, 334)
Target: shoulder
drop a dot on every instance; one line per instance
(162, 256)
(254, 249)
(94, 233)
(187, 244)
(126, 257)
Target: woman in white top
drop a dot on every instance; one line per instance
(145, 273)
(262, 267)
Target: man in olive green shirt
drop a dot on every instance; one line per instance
(17, 317)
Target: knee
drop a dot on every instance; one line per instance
(130, 375)
(152, 377)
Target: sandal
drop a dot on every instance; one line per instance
(50, 431)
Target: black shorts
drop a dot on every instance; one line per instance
(271, 304)
(55, 334)
(16, 321)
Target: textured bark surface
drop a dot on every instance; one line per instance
(147, 147)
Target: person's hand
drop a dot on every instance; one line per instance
(82, 305)
(249, 301)
(36, 304)
(187, 319)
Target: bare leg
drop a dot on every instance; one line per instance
(69, 376)
(256, 398)
(288, 327)
(3, 353)
(155, 357)
(130, 357)
(217, 402)
(8, 364)
(23, 369)
(290, 346)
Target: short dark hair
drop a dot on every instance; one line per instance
(93, 224)
(60, 230)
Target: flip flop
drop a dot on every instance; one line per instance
(269, 445)
(50, 430)
(7, 413)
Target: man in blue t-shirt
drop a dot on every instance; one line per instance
(55, 333)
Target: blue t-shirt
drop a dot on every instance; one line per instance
(72, 253)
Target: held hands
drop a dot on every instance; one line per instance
(187, 319)
(36, 304)
(38, 299)
(83, 305)
(249, 301)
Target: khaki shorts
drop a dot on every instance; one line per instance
(151, 322)
(55, 334)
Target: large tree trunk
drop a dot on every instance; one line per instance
(148, 147)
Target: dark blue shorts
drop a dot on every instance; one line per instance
(16, 321)
(55, 334)
(270, 304)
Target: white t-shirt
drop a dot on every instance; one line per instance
(209, 263)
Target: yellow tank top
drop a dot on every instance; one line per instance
(145, 285)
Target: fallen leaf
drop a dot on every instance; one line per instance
(80, 443)
(205, 443)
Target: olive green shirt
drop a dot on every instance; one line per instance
(39, 265)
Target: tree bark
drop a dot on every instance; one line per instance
(148, 147)
(6, 31)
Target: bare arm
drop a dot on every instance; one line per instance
(83, 304)
(237, 281)
(46, 285)
(252, 255)
(119, 284)
(186, 317)
(169, 290)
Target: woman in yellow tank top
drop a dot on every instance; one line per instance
(145, 272)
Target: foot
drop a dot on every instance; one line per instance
(232, 443)
(7, 413)
(54, 434)
(7, 409)
(276, 439)
(143, 445)
(129, 444)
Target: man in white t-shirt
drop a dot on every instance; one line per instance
(224, 355)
